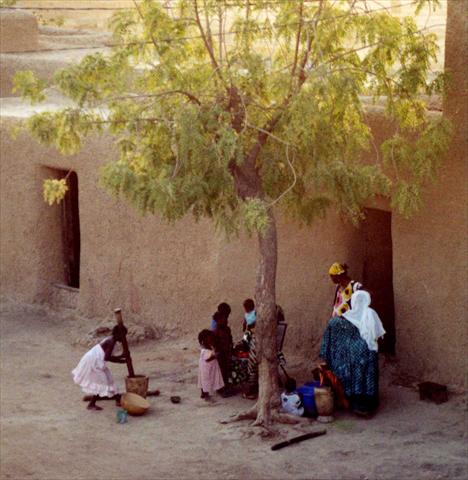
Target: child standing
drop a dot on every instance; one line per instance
(223, 345)
(223, 309)
(210, 378)
(93, 375)
(290, 400)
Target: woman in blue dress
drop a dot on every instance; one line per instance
(349, 347)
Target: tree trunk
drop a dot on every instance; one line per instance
(266, 343)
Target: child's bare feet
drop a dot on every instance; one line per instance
(94, 407)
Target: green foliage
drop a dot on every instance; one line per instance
(417, 158)
(407, 198)
(29, 86)
(226, 119)
(432, 4)
(64, 129)
(7, 3)
(255, 215)
(58, 21)
(93, 80)
(54, 190)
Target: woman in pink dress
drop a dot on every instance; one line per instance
(93, 375)
(210, 378)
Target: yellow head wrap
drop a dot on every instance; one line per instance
(336, 269)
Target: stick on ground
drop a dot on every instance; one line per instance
(298, 439)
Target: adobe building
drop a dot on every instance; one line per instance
(94, 253)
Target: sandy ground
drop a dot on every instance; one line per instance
(46, 432)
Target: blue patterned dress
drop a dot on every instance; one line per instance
(349, 358)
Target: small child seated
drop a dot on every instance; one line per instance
(250, 315)
(290, 400)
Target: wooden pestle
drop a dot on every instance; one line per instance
(126, 351)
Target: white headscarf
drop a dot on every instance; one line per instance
(365, 318)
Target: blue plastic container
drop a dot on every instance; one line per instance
(307, 393)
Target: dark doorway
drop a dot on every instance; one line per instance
(378, 271)
(71, 231)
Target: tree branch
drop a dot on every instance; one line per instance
(117, 122)
(247, 176)
(209, 37)
(298, 40)
(189, 95)
(287, 144)
(207, 43)
(140, 13)
(290, 186)
(305, 59)
(220, 33)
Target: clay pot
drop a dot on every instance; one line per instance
(324, 401)
(137, 384)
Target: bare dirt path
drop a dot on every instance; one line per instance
(46, 432)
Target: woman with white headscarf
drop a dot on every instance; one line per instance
(349, 346)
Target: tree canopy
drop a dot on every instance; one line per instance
(191, 89)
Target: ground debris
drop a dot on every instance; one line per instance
(136, 334)
(402, 379)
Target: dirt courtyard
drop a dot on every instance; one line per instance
(47, 433)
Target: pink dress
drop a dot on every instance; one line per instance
(93, 375)
(210, 378)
